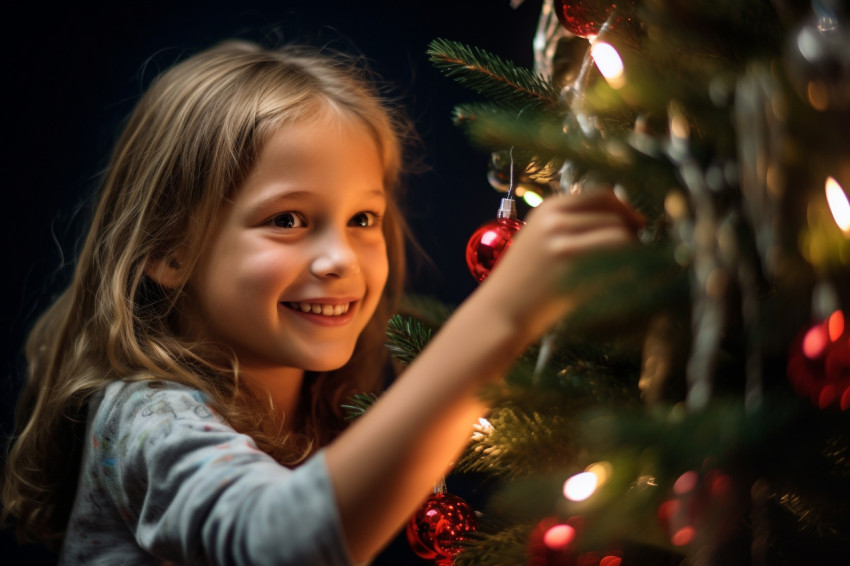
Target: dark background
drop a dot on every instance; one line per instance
(73, 73)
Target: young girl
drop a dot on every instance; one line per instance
(183, 397)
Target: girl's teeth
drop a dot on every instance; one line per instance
(324, 310)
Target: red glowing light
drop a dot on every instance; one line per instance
(845, 399)
(668, 509)
(721, 485)
(814, 342)
(683, 536)
(836, 325)
(827, 396)
(610, 561)
(559, 537)
(685, 483)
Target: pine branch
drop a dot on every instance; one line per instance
(513, 87)
(358, 404)
(618, 290)
(407, 337)
(508, 546)
(538, 134)
(521, 442)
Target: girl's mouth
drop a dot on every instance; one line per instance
(324, 309)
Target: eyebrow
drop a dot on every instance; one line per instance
(273, 199)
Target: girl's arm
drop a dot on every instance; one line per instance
(384, 464)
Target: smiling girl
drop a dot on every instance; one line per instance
(183, 396)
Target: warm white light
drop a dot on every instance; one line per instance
(580, 486)
(485, 424)
(838, 204)
(532, 199)
(609, 63)
(679, 126)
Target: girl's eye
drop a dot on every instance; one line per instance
(288, 220)
(364, 219)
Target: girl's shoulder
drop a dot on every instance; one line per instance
(139, 400)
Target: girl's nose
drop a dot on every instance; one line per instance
(334, 257)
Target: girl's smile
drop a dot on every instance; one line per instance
(324, 311)
(298, 262)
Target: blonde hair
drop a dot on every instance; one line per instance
(188, 144)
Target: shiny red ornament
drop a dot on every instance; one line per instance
(583, 18)
(819, 363)
(438, 528)
(488, 243)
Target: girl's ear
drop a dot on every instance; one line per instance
(165, 270)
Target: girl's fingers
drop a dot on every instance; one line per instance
(598, 201)
(574, 243)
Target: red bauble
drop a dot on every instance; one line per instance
(583, 18)
(488, 243)
(437, 529)
(819, 363)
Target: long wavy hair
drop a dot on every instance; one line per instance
(191, 140)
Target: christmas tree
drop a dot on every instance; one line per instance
(695, 407)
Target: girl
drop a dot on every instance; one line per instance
(183, 398)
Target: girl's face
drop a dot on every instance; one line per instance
(298, 262)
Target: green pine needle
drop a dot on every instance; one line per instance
(508, 546)
(407, 337)
(513, 87)
(358, 404)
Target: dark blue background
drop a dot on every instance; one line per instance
(72, 73)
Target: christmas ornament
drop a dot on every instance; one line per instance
(585, 18)
(437, 529)
(819, 364)
(491, 240)
(582, 17)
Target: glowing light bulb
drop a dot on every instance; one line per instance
(683, 536)
(532, 199)
(814, 342)
(609, 63)
(559, 537)
(838, 204)
(580, 486)
(835, 325)
(602, 471)
(685, 483)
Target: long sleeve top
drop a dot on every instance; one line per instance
(165, 480)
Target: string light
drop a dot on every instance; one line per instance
(838, 204)
(580, 486)
(559, 537)
(609, 63)
(532, 199)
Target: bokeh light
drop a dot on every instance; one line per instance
(685, 483)
(559, 537)
(532, 199)
(609, 63)
(683, 536)
(580, 486)
(836, 325)
(838, 204)
(814, 342)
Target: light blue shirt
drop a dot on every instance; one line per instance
(165, 479)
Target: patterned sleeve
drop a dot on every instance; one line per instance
(192, 490)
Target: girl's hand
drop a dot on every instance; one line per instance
(527, 282)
